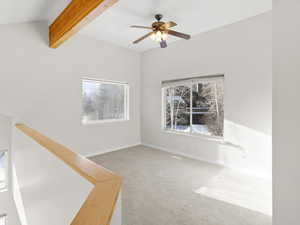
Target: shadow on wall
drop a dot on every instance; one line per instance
(48, 11)
(256, 154)
(41, 29)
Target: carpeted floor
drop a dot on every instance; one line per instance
(166, 189)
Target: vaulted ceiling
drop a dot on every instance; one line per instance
(192, 16)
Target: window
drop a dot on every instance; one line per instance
(104, 101)
(2, 219)
(3, 169)
(194, 105)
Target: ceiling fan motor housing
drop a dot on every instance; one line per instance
(157, 26)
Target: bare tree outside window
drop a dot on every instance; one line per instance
(178, 102)
(104, 101)
(195, 107)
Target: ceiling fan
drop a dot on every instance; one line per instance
(160, 31)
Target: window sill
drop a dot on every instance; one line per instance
(216, 139)
(103, 121)
(210, 138)
(3, 190)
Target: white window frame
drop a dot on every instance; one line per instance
(4, 188)
(126, 101)
(189, 83)
(4, 217)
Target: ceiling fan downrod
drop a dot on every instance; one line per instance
(158, 17)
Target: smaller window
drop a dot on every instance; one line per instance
(104, 101)
(3, 219)
(3, 170)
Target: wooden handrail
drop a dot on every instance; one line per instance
(99, 206)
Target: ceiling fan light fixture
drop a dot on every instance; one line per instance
(164, 36)
(153, 36)
(159, 36)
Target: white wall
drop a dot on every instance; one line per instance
(42, 86)
(5, 131)
(7, 205)
(241, 51)
(286, 111)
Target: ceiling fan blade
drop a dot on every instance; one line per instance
(163, 44)
(142, 38)
(168, 25)
(143, 27)
(178, 34)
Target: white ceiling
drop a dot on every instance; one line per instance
(192, 16)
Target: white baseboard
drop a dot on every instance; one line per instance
(183, 154)
(240, 170)
(112, 150)
(243, 171)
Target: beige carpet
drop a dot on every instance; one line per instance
(166, 189)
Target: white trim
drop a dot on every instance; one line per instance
(219, 140)
(194, 79)
(93, 122)
(191, 134)
(105, 81)
(112, 150)
(218, 163)
(18, 199)
(6, 171)
(183, 154)
(3, 217)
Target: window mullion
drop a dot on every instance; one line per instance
(165, 107)
(191, 107)
(172, 108)
(216, 102)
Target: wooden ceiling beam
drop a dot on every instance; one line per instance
(74, 17)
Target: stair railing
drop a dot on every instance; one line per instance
(99, 206)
